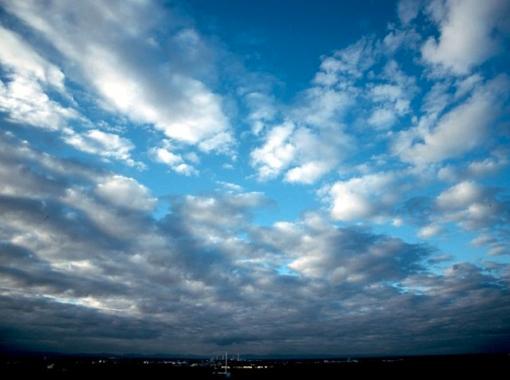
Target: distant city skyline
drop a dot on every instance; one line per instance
(275, 178)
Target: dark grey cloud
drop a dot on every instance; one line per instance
(41, 323)
(26, 270)
(81, 272)
(471, 206)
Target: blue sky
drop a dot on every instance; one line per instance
(169, 163)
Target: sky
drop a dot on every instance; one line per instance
(275, 178)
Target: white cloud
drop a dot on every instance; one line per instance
(108, 43)
(185, 109)
(339, 256)
(22, 93)
(322, 107)
(475, 169)
(19, 57)
(276, 153)
(312, 140)
(175, 161)
(126, 193)
(307, 173)
(408, 10)
(386, 91)
(304, 155)
(478, 209)
(382, 118)
(396, 39)
(459, 196)
(487, 166)
(347, 64)
(262, 110)
(319, 138)
(458, 131)
(436, 100)
(230, 187)
(465, 85)
(104, 144)
(470, 33)
(214, 218)
(392, 98)
(368, 197)
(496, 247)
(24, 101)
(429, 231)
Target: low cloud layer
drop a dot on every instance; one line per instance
(203, 277)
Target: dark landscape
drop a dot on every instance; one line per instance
(68, 366)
